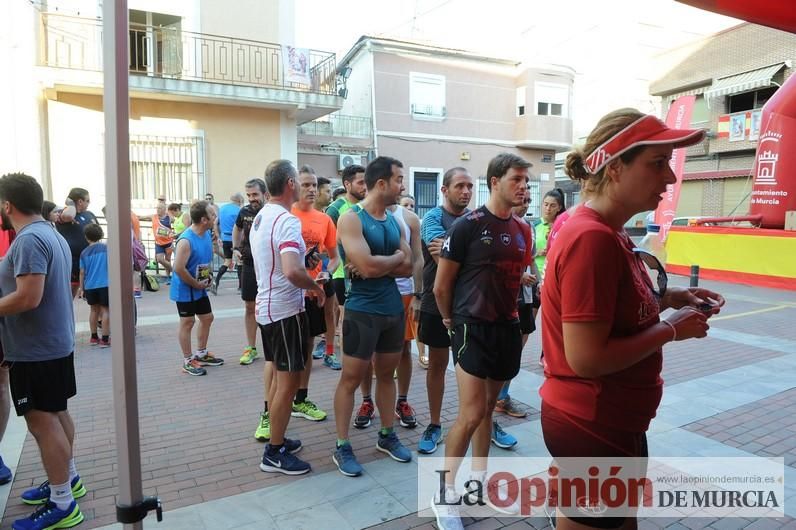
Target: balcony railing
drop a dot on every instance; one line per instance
(338, 125)
(170, 52)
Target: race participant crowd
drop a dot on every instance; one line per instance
(362, 274)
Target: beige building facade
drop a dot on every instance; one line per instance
(212, 97)
(434, 108)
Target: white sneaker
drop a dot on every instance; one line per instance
(447, 515)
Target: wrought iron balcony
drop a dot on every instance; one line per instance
(170, 52)
(338, 125)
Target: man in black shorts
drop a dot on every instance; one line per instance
(241, 253)
(278, 250)
(457, 189)
(319, 236)
(41, 364)
(70, 223)
(373, 324)
(256, 195)
(477, 284)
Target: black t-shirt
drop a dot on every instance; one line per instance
(244, 223)
(436, 223)
(492, 254)
(73, 232)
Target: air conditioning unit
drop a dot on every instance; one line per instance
(348, 159)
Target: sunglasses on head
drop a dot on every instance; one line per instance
(656, 268)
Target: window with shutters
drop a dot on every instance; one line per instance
(427, 96)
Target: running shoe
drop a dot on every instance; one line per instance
(447, 514)
(193, 367)
(94, 341)
(208, 359)
(263, 432)
(49, 516)
(320, 350)
(330, 361)
(105, 343)
(213, 288)
(365, 415)
(405, 415)
(137, 293)
(390, 444)
(283, 462)
(501, 438)
(41, 493)
(346, 462)
(249, 355)
(430, 439)
(510, 407)
(292, 446)
(5, 472)
(308, 410)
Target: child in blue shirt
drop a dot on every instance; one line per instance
(94, 283)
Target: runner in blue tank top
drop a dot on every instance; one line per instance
(375, 254)
(192, 275)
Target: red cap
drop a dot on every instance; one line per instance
(647, 130)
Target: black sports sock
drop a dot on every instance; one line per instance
(221, 270)
(94, 336)
(301, 395)
(367, 398)
(265, 406)
(401, 398)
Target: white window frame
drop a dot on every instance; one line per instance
(541, 95)
(521, 101)
(416, 107)
(410, 188)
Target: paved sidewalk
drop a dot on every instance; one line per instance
(730, 394)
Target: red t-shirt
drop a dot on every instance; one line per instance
(593, 276)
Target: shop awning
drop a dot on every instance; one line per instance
(737, 83)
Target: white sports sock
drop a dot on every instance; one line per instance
(72, 469)
(61, 495)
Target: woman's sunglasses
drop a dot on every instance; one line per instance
(656, 270)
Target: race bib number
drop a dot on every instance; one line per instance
(203, 272)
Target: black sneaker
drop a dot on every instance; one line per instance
(365, 415)
(405, 415)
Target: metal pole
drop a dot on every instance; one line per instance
(117, 190)
(694, 276)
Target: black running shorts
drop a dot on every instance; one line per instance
(197, 307)
(248, 282)
(42, 385)
(339, 289)
(432, 332)
(287, 341)
(365, 334)
(488, 350)
(97, 296)
(226, 249)
(316, 319)
(527, 324)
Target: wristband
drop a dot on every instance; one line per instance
(674, 330)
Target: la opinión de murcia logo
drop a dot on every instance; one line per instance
(767, 159)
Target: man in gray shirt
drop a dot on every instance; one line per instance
(38, 341)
